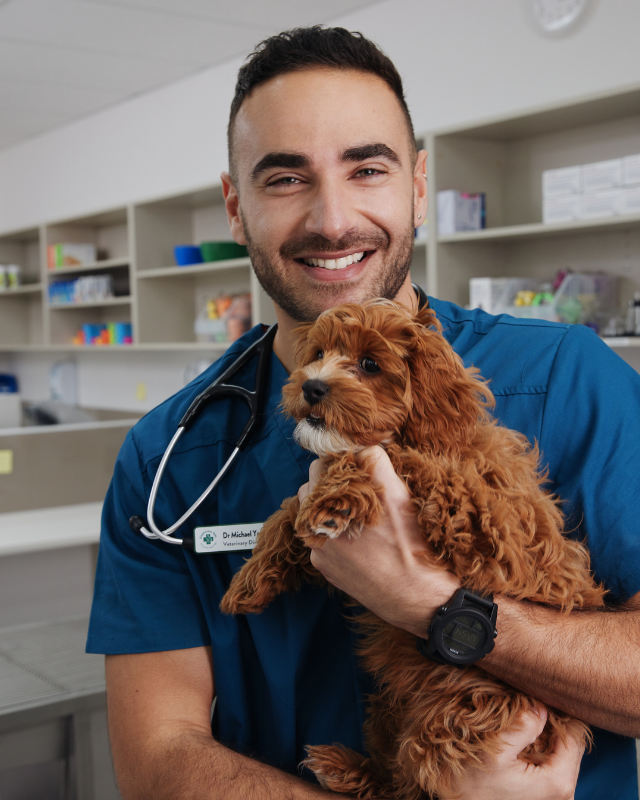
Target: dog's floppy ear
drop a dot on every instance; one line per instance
(301, 333)
(448, 400)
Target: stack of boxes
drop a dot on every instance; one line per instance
(592, 191)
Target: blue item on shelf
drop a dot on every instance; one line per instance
(8, 384)
(186, 254)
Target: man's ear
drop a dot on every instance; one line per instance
(420, 189)
(232, 205)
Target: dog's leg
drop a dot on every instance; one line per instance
(344, 771)
(344, 499)
(279, 563)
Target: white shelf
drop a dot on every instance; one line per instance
(195, 269)
(622, 341)
(111, 301)
(49, 528)
(107, 263)
(537, 230)
(25, 288)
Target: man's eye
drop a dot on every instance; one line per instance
(369, 365)
(367, 172)
(288, 180)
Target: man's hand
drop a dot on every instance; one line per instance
(384, 568)
(510, 778)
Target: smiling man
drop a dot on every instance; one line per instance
(325, 187)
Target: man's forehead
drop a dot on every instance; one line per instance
(319, 110)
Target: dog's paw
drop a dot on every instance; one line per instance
(338, 769)
(332, 517)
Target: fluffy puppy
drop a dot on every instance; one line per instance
(379, 375)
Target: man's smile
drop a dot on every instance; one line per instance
(335, 263)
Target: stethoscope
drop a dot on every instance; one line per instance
(219, 388)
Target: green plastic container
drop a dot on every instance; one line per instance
(221, 251)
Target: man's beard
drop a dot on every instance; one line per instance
(304, 305)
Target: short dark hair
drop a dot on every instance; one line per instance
(315, 46)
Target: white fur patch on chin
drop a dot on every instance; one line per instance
(321, 441)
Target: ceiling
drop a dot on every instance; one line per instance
(64, 59)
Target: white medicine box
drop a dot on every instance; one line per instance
(631, 170)
(603, 204)
(602, 175)
(563, 208)
(10, 410)
(558, 182)
(494, 295)
(459, 211)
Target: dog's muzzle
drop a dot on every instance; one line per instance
(314, 390)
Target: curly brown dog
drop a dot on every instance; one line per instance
(378, 375)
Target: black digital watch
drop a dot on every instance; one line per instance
(462, 631)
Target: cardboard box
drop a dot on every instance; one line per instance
(631, 170)
(564, 208)
(70, 255)
(459, 211)
(601, 176)
(556, 182)
(602, 204)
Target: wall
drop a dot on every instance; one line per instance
(461, 60)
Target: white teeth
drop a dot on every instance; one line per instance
(334, 263)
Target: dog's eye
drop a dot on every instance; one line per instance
(320, 354)
(369, 365)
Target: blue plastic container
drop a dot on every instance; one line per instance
(186, 254)
(8, 384)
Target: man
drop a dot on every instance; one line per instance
(325, 187)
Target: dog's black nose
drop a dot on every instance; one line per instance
(314, 390)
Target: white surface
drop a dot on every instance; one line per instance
(173, 139)
(49, 528)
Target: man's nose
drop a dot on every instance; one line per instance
(314, 390)
(332, 214)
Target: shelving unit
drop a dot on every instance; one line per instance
(505, 159)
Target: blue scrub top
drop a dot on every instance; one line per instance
(288, 677)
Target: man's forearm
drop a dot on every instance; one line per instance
(586, 663)
(193, 765)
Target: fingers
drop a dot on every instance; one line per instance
(378, 462)
(565, 763)
(316, 469)
(526, 730)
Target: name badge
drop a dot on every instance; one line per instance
(225, 538)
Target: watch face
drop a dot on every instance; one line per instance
(463, 635)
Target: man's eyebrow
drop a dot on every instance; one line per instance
(367, 151)
(282, 160)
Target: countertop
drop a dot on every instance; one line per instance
(49, 528)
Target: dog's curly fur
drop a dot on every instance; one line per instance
(476, 489)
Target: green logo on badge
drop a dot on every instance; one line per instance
(209, 538)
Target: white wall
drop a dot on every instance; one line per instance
(461, 60)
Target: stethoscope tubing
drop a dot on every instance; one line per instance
(253, 399)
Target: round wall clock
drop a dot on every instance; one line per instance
(557, 17)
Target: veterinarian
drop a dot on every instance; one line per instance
(322, 167)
